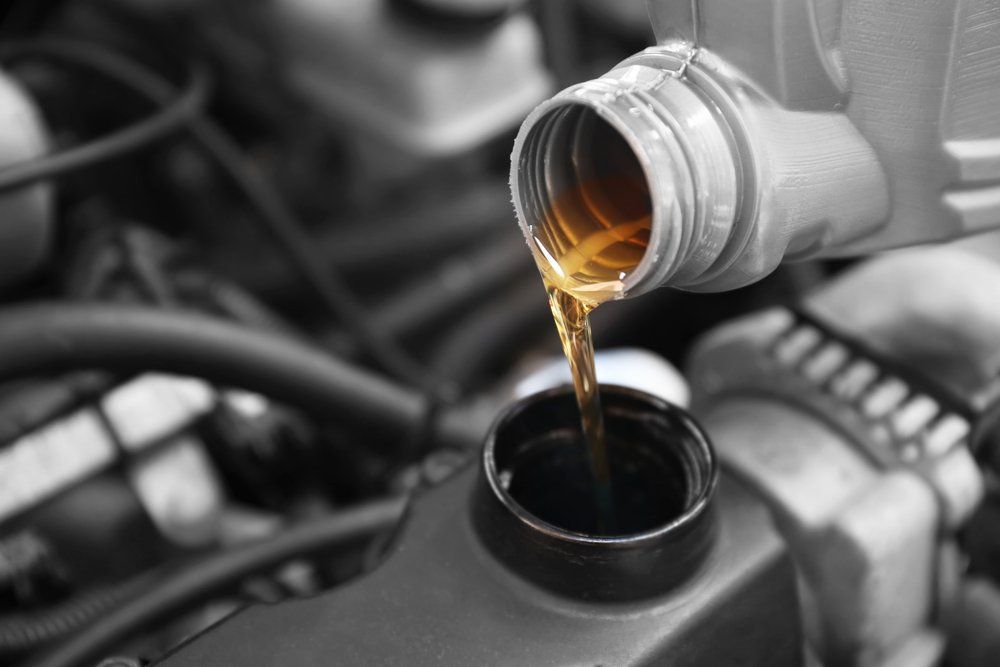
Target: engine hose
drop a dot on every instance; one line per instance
(275, 217)
(490, 332)
(447, 290)
(173, 117)
(231, 300)
(56, 338)
(217, 574)
(23, 632)
(974, 630)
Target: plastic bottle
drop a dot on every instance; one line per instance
(769, 130)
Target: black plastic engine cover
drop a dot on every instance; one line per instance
(441, 598)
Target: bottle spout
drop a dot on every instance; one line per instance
(625, 183)
(675, 169)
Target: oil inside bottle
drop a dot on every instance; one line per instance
(594, 231)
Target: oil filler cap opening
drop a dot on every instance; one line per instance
(538, 509)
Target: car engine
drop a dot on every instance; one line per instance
(279, 382)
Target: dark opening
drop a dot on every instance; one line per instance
(551, 479)
(607, 172)
(660, 466)
(585, 188)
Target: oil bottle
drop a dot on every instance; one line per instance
(767, 131)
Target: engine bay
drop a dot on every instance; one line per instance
(277, 369)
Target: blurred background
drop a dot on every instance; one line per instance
(259, 263)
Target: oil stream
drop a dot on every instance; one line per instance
(593, 233)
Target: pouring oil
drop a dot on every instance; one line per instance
(593, 234)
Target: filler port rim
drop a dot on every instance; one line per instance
(696, 505)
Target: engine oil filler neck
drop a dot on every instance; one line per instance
(536, 504)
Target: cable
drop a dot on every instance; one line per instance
(562, 49)
(27, 631)
(231, 300)
(421, 231)
(174, 116)
(973, 626)
(57, 338)
(409, 239)
(218, 574)
(454, 284)
(280, 223)
(274, 215)
(447, 289)
(489, 332)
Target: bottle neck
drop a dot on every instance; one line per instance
(679, 138)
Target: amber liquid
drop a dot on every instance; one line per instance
(570, 315)
(594, 233)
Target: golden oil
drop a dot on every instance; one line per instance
(591, 236)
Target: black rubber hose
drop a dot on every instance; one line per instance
(57, 338)
(498, 328)
(174, 116)
(23, 632)
(232, 301)
(448, 289)
(219, 574)
(422, 231)
(973, 626)
(282, 226)
(559, 23)
(410, 240)
(275, 216)
(452, 286)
